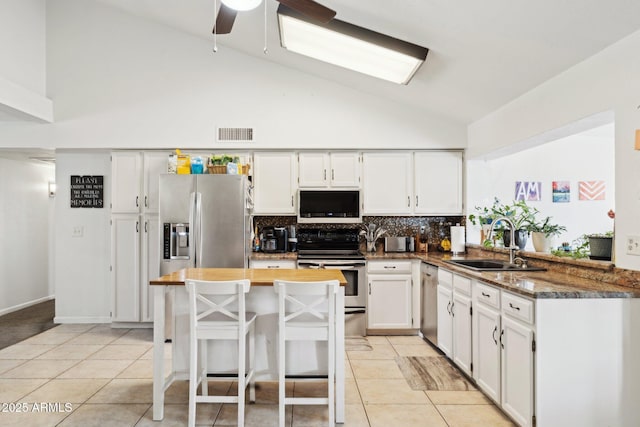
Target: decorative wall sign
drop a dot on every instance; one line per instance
(529, 191)
(87, 191)
(561, 191)
(591, 190)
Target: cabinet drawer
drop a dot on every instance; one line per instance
(394, 267)
(487, 295)
(462, 284)
(517, 307)
(445, 278)
(274, 264)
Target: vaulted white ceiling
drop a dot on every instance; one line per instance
(483, 54)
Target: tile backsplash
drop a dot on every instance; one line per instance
(437, 227)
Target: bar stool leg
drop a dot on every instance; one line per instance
(252, 363)
(193, 383)
(203, 369)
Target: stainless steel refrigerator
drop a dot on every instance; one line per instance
(205, 221)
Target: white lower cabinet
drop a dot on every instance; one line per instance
(389, 302)
(272, 263)
(135, 259)
(503, 350)
(454, 318)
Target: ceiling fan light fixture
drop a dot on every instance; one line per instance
(349, 46)
(242, 5)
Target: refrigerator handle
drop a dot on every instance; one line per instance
(192, 229)
(199, 250)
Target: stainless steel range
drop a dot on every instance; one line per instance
(339, 249)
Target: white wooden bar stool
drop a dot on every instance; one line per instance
(217, 312)
(306, 312)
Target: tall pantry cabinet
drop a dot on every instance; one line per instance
(135, 232)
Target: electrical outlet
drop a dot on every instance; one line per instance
(633, 245)
(78, 231)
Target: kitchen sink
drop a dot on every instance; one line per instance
(491, 265)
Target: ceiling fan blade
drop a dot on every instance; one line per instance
(311, 9)
(224, 20)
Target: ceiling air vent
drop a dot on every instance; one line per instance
(234, 135)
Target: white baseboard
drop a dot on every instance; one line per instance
(25, 305)
(81, 319)
(132, 325)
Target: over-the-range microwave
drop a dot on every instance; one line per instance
(329, 206)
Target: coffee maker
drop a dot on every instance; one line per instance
(274, 239)
(282, 239)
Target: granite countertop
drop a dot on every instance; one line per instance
(563, 279)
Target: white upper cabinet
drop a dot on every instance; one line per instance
(412, 183)
(345, 169)
(387, 183)
(135, 177)
(313, 169)
(438, 183)
(126, 170)
(154, 164)
(321, 170)
(275, 183)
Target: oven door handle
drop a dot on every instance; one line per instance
(310, 265)
(356, 311)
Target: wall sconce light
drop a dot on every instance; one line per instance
(637, 139)
(52, 189)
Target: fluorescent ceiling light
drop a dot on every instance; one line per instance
(350, 46)
(242, 4)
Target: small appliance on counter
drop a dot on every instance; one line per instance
(274, 239)
(399, 244)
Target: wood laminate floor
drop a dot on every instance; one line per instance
(93, 375)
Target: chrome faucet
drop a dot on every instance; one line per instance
(512, 236)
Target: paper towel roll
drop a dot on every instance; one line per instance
(458, 240)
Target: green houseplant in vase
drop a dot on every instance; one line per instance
(521, 215)
(483, 217)
(543, 232)
(601, 245)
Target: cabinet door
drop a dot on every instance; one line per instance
(445, 324)
(438, 183)
(389, 303)
(150, 267)
(154, 165)
(275, 185)
(517, 371)
(313, 169)
(461, 317)
(125, 272)
(345, 170)
(387, 183)
(126, 173)
(486, 350)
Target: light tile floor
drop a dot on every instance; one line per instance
(93, 375)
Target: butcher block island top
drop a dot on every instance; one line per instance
(257, 276)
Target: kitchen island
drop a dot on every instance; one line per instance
(262, 300)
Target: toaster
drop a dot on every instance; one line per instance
(398, 244)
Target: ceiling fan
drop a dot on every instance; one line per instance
(229, 9)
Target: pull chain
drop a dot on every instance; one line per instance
(266, 51)
(215, 27)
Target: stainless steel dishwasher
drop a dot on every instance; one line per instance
(429, 291)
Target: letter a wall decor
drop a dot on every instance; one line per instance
(591, 190)
(529, 191)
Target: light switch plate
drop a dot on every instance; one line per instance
(633, 245)
(78, 231)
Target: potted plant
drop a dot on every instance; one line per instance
(542, 233)
(600, 246)
(483, 217)
(521, 215)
